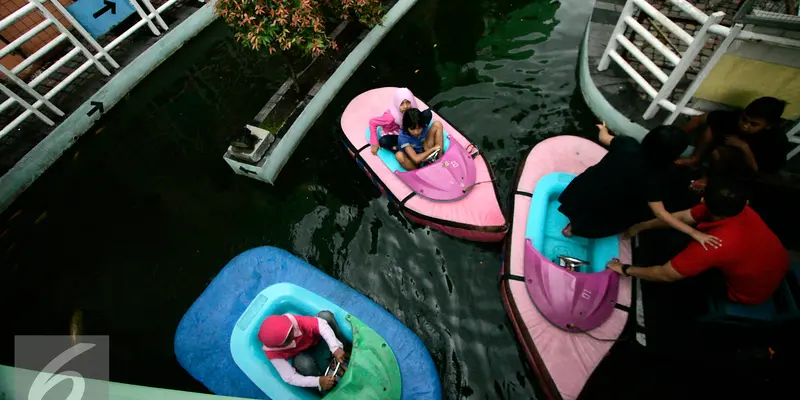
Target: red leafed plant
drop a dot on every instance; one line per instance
(292, 25)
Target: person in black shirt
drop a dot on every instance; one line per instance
(627, 187)
(740, 142)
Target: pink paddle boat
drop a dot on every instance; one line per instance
(566, 307)
(454, 194)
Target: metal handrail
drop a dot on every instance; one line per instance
(147, 15)
(660, 98)
(701, 17)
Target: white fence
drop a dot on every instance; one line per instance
(91, 49)
(681, 62)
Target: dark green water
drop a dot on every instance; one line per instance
(134, 221)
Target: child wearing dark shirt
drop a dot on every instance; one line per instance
(419, 138)
(740, 142)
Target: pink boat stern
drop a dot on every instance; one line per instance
(571, 301)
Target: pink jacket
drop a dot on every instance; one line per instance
(387, 122)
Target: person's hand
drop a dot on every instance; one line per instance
(341, 356)
(693, 162)
(326, 382)
(603, 129)
(375, 149)
(735, 141)
(604, 137)
(631, 232)
(707, 240)
(615, 265)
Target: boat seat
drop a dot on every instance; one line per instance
(783, 306)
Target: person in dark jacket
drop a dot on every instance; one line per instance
(627, 186)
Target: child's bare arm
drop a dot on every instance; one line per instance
(418, 157)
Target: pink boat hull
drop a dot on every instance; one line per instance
(563, 361)
(476, 217)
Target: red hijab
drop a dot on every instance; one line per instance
(276, 328)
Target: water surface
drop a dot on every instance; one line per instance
(139, 216)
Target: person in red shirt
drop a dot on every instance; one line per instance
(751, 258)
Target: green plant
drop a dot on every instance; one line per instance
(293, 25)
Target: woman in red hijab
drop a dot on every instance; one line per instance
(289, 336)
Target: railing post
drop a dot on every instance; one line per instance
(154, 13)
(57, 4)
(723, 48)
(627, 11)
(794, 138)
(25, 104)
(687, 58)
(30, 90)
(143, 15)
(75, 42)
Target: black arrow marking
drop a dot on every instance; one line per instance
(108, 6)
(96, 106)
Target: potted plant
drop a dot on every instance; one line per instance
(295, 29)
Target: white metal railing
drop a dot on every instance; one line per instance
(794, 138)
(682, 62)
(147, 16)
(710, 25)
(722, 30)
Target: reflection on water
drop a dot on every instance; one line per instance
(142, 215)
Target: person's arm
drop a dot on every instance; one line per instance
(330, 338)
(418, 157)
(702, 141)
(292, 377)
(694, 123)
(701, 145)
(661, 213)
(740, 144)
(659, 273)
(604, 137)
(684, 216)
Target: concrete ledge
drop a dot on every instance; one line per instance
(95, 389)
(32, 165)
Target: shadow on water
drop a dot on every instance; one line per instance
(133, 222)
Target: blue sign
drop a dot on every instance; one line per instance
(99, 16)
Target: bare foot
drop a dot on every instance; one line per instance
(567, 231)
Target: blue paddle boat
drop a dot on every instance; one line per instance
(217, 343)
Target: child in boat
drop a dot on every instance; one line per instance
(289, 336)
(418, 139)
(383, 130)
(740, 142)
(627, 187)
